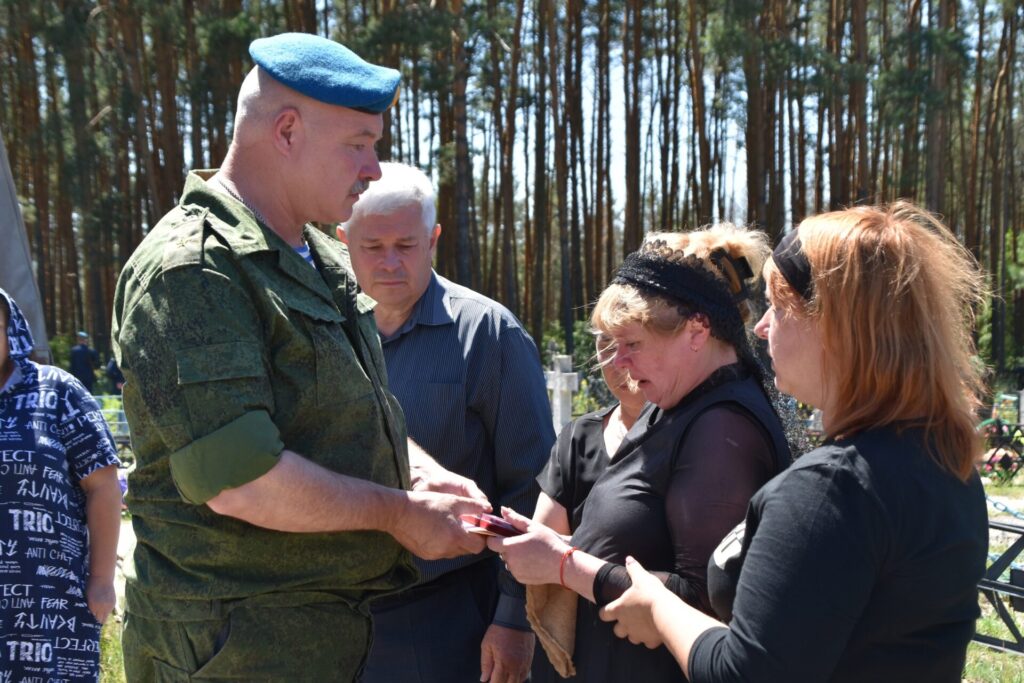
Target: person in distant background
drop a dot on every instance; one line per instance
(586, 445)
(583, 452)
(84, 361)
(115, 376)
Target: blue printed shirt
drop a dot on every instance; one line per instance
(52, 435)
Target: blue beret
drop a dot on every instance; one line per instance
(326, 71)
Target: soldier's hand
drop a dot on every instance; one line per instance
(430, 528)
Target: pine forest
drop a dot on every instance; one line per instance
(558, 132)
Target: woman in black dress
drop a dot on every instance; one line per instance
(861, 561)
(683, 475)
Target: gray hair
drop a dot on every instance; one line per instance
(400, 185)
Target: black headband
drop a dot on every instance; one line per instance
(792, 262)
(691, 283)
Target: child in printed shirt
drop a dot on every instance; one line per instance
(60, 506)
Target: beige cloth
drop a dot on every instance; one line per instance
(16, 275)
(551, 611)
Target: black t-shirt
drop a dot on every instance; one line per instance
(679, 482)
(577, 461)
(859, 563)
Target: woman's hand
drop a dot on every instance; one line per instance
(534, 557)
(634, 610)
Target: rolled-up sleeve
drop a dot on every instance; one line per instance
(239, 452)
(193, 349)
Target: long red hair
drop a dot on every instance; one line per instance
(894, 296)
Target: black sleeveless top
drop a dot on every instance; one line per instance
(679, 482)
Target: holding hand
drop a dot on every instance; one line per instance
(634, 610)
(430, 528)
(428, 475)
(534, 557)
(441, 480)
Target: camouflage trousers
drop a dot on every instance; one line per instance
(247, 640)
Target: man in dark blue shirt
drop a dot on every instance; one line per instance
(469, 380)
(84, 361)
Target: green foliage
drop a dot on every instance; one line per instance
(585, 400)
(104, 387)
(111, 656)
(60, 350)
(1003, 460)
(1010, 293)
(593, 393)
(418, 25)
(553, 343)
(28, 210)
(902, 88)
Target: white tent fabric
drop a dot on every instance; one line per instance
(16, 274)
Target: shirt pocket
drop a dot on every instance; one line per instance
(222, 381)
(333, 366)
(214, 362)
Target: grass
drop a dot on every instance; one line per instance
(111, 659)
(983, 663)
(1014, 491)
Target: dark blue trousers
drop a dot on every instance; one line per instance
(431, 633)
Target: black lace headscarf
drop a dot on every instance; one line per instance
(714, 288)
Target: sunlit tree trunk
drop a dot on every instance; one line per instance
(632, 59)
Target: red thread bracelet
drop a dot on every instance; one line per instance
(561, 565)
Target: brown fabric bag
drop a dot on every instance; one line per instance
(551, 611)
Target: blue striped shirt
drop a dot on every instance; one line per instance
(469, 380)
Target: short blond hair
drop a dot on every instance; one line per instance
(894, 295)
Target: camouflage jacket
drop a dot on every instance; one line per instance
(233, 348)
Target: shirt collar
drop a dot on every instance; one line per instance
(433, 308)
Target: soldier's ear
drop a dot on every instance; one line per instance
(287, 131)
(342, 235)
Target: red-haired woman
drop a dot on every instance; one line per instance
(861, 561)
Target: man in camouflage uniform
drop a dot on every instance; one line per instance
(271, 498)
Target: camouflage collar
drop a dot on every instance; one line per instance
(232, 220)
(333, 260)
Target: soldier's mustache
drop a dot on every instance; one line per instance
(359, 187)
